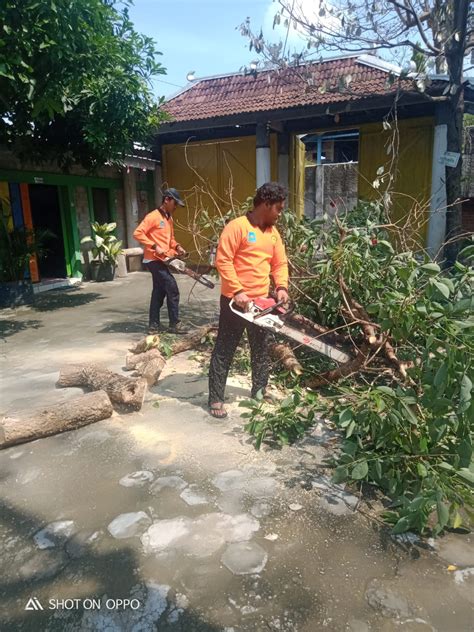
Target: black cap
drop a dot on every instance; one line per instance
(173, 193)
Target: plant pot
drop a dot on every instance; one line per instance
(14, 293)
(102, 271)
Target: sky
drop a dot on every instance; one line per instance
(201, 35)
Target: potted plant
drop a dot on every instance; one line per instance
(17, 246)
(105, 248)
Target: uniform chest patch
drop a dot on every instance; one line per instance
(162, 224)
(251, 237)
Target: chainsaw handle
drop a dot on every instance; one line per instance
(269, 309)
(237, 310)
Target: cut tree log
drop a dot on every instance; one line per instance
(148, 365)
(280, 352)
(80, 411)
(193, 340)
(122, 390)
(147, 343)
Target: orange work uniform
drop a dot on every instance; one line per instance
(247, 255)
(156, 228)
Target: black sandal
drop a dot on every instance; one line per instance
(217, 410)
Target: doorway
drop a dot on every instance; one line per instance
(46, 213)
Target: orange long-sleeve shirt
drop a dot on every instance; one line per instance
(156, 228)
(246, 256)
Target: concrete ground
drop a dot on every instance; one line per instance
(178, 514)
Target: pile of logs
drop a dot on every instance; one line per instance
(106, 391)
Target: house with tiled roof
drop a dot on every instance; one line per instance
(229, 134)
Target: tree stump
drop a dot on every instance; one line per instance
(80, 411)
(122, 390)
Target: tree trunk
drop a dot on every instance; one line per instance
(80, 411)
(280, 352)
(148, 365)
(121, 390)
(454, 49)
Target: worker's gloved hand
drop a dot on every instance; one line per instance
(180, 251)
(242, 301)
(282, 295)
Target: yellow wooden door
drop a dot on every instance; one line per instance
(410, 189)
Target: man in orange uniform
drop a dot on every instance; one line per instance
(156, 233)
(250, 250)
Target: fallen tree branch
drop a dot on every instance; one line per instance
(341, 371)
(74, 413)
(283, 353)
(192, 340)
(310, 328)
(121, 390)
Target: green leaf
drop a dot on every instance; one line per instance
(467, 252)
(457, 522)
(441, 374)
(345, 417)
(360, 471)
(465, 452)
(466, 474)
(248, 403)
(443, 514)
(402, 525)
(442, 288)
(431, 267)
(422, 471)
(445, 466)
(350, 429)
(386, 390)
(340, 474)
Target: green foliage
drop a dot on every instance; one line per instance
(75, 80)
(104, 244)
(415, 445)
(17, 246)
(412, 438)
(284, 423)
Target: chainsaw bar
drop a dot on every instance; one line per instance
(180, 266)
(267, 320)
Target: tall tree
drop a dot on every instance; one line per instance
(74, 81)
(439, 31)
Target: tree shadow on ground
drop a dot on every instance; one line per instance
(12, 327)
(125, 327)
(75, 569)
(51, 301)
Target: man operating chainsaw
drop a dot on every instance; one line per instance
(156, 234)
(250, 251)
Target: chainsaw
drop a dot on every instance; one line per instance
(267, 313)
(177, 265)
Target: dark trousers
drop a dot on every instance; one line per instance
(231, 328)
(164, 285)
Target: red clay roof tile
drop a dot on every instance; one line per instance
(311, 84)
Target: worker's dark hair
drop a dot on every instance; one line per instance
(271, 192)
